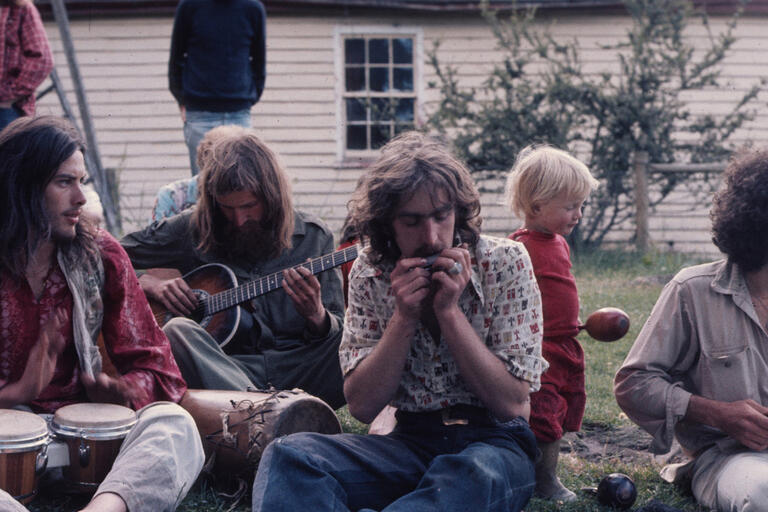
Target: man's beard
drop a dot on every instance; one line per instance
(249, 242)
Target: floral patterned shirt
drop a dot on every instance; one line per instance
(175, 197)
(135, 344)
(502, 303)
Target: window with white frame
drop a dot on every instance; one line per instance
(379, 89)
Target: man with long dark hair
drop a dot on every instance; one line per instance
(445, 325)
(64, 283)
(245, 220)
(698, 371)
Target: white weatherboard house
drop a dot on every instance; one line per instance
(322, 56)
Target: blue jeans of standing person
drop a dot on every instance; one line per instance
(7, 115)
(198, 123)
(423, 465)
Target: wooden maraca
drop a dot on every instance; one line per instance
(607, 324)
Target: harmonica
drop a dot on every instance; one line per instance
(430, 261)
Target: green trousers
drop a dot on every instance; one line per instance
(311, 367)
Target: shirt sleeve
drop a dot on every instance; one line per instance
(134, 342)
(165, 244)
(331, 295)
(362, 328)
(516, 330)
(178, 51)
(259, 52)
(644, 386)
(36, 60)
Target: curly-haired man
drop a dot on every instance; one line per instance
(454, 346)
(699, 368)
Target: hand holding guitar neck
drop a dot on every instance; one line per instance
(217, 294)
(607, 324)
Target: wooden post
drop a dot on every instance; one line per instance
(92, 159)
(640, 167)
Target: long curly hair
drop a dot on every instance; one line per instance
(409, 163)
(31, 151)
(740, 211)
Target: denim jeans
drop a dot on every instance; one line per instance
(421, 465)
(199, 122)
(7, 115)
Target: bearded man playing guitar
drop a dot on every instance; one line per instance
(244, 230)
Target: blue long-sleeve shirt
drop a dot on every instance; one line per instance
(218, 54)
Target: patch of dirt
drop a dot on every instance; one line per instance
(628, 443)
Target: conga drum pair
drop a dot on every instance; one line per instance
(23, 443)
(236, 426)
(93, 433)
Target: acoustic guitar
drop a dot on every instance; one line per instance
(219, 295)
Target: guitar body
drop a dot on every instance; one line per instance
(219, 294)
(205, 281)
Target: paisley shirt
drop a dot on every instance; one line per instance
(135, 344)
(502, 303)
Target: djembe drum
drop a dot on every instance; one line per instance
(23, 442)
(236, 426)
(93, 433)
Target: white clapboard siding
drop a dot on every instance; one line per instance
(123, 61)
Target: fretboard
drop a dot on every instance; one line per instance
(244, 292)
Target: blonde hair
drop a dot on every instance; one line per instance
(542, 173)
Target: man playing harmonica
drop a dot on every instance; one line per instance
(455, 347)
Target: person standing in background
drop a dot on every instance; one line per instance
(25, 58)
(217, 65)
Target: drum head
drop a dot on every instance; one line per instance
(21, 428)
(93, 421)
(92, 415)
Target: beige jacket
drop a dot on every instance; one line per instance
(703, 337)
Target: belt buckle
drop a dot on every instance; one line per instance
(447, 420)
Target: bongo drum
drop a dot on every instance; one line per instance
(23, 443)
(236, 426)
(93, 433)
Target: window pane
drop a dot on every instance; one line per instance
(379, 79)
(354, 51)
(403, 79)
(356, 137)
(378, 51)
(380, 134)
(354, 78)
(402, 50)
(404, 110)
(380, 109)
(355, 109)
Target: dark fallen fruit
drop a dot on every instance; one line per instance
(617, 490)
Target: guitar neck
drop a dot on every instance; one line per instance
(252, 289)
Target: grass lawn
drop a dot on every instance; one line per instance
(623, 280)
